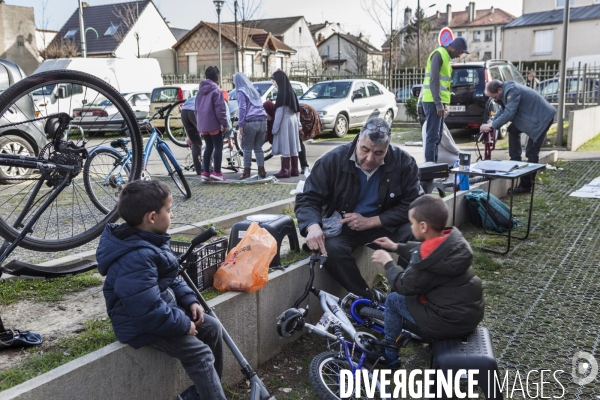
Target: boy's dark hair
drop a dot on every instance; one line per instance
(431, 209)
(212, 73)
(140, 197)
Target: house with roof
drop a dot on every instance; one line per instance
(18, 36)
(322, 31)
(537, 34)
(294, 32)
(259, 53)
(349, 53)
(124, 30)
(481, 28)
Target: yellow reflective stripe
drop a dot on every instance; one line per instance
(441, 87)
(442, 78)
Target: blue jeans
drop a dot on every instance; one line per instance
(532, 151)
(213, 142)
(396, 311)
(433, 136)
(201, 356)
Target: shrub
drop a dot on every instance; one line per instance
(411, 108)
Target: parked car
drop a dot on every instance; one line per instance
(469, 106)
(404, 94)
(102, 115)
(267, 91)
(575, 89)
(349, 103)
(25, 139)
(170, 94)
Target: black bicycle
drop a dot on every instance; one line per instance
(46, 207)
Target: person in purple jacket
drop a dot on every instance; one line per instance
(252, 123)
(211, 119)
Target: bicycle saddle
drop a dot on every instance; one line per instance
(120, 142)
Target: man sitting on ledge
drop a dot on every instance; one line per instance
(371, 184)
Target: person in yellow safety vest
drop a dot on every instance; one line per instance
(436, 92)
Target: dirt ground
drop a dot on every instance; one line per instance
(55, 320)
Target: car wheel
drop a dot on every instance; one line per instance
(389, 117)
(340, 129)
(19, 146)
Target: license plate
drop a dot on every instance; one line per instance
(457, 108)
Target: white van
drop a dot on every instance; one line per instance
(125, 75)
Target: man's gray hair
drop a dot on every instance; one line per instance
(493, 86)
(377, 130)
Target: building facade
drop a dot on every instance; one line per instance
(350, 54)
(18, 36)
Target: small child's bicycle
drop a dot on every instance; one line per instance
(362, 350)
(258, 390)
(488, 139)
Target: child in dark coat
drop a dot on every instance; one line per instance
(436, 293)
(146, 302)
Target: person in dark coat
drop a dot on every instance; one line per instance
(286, 126)
(436, 293)
(146, 302)
(529, 113)
(371, 184)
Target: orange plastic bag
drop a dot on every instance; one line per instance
(246, 267)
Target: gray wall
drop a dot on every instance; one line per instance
(18, 36)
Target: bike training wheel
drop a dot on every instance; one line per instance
(175, 173)
(267, 147)
(71, 219)
(174, 126)
(104, 175)
(324, 375)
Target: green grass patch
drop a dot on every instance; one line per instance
(591, 145)
(294, 256)
(97, 334)
(47, 290)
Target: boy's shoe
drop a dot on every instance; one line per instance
(391, 358)
(189, 394)
(205, 176)
(521, 189)
(217, 176)
(378, 295)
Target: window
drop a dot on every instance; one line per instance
(359, 88)
(71, 33)
(249, 64)
(111, 30)
(561, 3)
(279, 63)
(374, 90)
(487, 55)
(192, 64)
(459, 34)
(300, 30)
(465, 76)
(507, 73)
(20, 41)
(488, 35)
(543, 41)
(264, 65)
(476, 36)
(517, 75)
(297, 89)
(495, 74)
(327, 51)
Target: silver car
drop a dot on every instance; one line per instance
(102, 115)
(350, 103)
(23, 139)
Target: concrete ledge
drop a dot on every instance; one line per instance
(119, 372)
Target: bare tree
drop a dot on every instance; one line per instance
(386, 13)
(359, 55)
(247, 12)
(60, 48)
(127, 17)
(427, 40)
(317, 64)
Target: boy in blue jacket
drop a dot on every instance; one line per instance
(146, 302)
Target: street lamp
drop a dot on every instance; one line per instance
(419, 32)
(219, 6)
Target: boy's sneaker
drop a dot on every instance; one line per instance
(189, 394)
(391, 355)
(217, 176)
(205, 176)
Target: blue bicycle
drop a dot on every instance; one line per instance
(107, 169)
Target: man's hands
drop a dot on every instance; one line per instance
(315, 240)
(192, 330)
(485, 128)
(189, 142)
(386, 243)
(356, 222)
(440, 111)
(381, 257)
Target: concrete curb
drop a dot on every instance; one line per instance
(248, 317)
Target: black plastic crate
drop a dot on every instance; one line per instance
(202, 264)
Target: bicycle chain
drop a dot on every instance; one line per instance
(29, 120)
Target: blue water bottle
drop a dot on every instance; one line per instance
(464, 165)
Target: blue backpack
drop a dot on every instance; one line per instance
(497, 212)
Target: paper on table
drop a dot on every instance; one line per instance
(500, 166)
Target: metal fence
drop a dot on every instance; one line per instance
(582, 81)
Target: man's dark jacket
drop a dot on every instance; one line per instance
(144, 298)
(453, 302)
(334, 183)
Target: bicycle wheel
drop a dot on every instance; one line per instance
(267, 147)
(324, 375)
(71, 219)
(104, 175)
(174, 126)
(174, 171)
(372, 314)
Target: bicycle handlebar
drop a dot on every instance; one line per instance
(203, 237)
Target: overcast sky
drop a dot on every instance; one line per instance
(188, 13)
